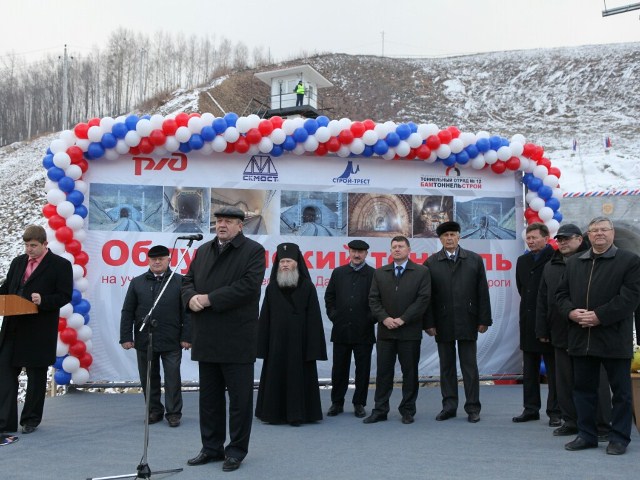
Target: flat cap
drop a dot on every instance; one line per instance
(568, 230)
(158, 251)
(447, 227)
(358, 245)
(231, 212)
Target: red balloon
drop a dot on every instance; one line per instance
(333, 145)
(322, 149)
(554, 243)
(433, 142)
(94, 122)
(81, 130)
(455, 132)
(157, 137)
(444, 136)
(78, 349)
(84, 165)
(62, 324)
(49, 210)
(86, 360)
(345, 137)
(358, 129)
(182, 119)
(538, 153)
(134, 150)
(75, 153)
(146, 146)
(423, 152)
(169, 126)
(56, 221)
(412, 154)
(529, 212)
(74, 247)
(513, 163)
(369, 124)
(69, 336)
(545, 162)
(81, 258)
(242, 146)
(194, 114)
(265, 127)
(276, 121)
(253, 136)
(64, 234)
(499, 167)
(554, 171)
(534, 219)
(230, 148)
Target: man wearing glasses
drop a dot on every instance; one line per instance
(598, 294)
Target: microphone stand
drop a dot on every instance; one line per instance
(142, 470)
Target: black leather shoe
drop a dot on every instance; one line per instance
(473, 418)
(555, 422)
(375, 418)
(603, 437)
(174, 420)
(565, 430)
(335, 409)
(579, 444)
(526, 417)
(230, 464)
(445, 415)
(203, 458)
(359, 411)
(155, 418)
(407, 418)
(26, 429)
(615, 448)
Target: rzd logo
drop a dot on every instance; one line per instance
(145, 163)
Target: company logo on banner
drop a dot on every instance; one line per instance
(260, 169)
(177, 163)
(451, 182)
(348, 176)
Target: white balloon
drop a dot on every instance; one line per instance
(456, 145)
(51, 234)
(530, 196)
(345, 123)
(143, 127)
(82, 186)
(432, 158)
(171, 144)
(62, 349)
(156, 121)
(288, 126)
(82, 285)
(70, 364)
(254, 120)
(540, 171)
(121, 147)
(370, 137)
(89, 345)
(106, 123)
(478, 163)
(73, 171)
(557, 193)
(443, 151)
(95, 133)
(84, 332)
(80, 376)
(402, 149)
(219, 144)
(80, 235)
(299, 150)
(75, 222)
(132, 138)
(66, 310)
(278, 136)
(83, 144)
(537, 204)
(550, 181)
(56, 247)
(183, 134)
(58, 146)
(390, 126)
(553, 225)
(381, 130)
(427, 130)
(75, 321)
(68, 137)
(545, 214)
(265, 145)
(62, 160)
(311, 144)
(78, 272)
(111, 155)
(207, 118)
(490, 157)
(206, 148)
(483, 134)
(195, 124)
(231, 134)
(390, 155)
(334, 128)
(414, 140)
(343, 151)
(322, 134)
(504, 153)
(56, 196)
(467, 138)
(516, 148)
(243, 124)
(50, 185)
(518, 138)
(357, 146)
(67, 256)
(253, 150)
(65, 209)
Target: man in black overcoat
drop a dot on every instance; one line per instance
(528, 274)
(347, 303)
(458, 311)
(29, 341)
(222, 290)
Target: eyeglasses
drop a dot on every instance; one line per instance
(599, 230)
(566, 239)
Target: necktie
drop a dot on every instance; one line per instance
(31, 265)
(452, 257)
(399, 271)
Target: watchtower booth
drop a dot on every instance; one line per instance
(283, 96)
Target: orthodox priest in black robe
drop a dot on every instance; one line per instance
(290, 341)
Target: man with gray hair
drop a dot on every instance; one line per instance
(598, 294)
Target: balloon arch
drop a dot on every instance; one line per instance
(68, 158)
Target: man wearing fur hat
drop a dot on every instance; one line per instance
(170, 333)
(459, 310)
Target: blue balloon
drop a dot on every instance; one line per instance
(393, 139)
(58, 362)
(526, 179)
(76, 296)
(184, 147)
(553, 203)
(146, 117)
(119, 130)
(472, 151)
(403, 131)
(76, 197)
(311, 125)
(231, 119)
(49, 152)
(276, 151)
(495, 142)
(55, 173)
(47, 161)
(109, 140)
(87, 319)
(66, 184)
(219, 125)
(413, 127)
(322, 120)
(131, 121)
(82, 307)
(462, 158)
(450, 161)
(61, 377)
(534, 184)
(545, 192)
(505, 142)
(558, 216)
(208, 133)
(380, 147)
(96, 150)
(300, 135)
(196, 141)
(81, 210)
(368, 151)
(289, 143)
(483, 144)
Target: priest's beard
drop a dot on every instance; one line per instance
(287, 278)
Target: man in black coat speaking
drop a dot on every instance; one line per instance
(459, 310)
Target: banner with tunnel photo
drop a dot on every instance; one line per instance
(320, 204)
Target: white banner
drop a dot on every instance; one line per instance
(320, 203)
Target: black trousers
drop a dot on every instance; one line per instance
(586, 377)
(531, 383)
(340, 371)
(467, 351)
(34, 399)
(408, 354)
(172, 381)
(299, 99)
(237, 379)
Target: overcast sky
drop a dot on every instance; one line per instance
(426, 28)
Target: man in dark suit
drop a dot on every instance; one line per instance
(222, 290)
(347, 303)
(459, 310)
(29, 341)
(529, 269)
(398, 298)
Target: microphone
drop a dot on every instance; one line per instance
(197, 237)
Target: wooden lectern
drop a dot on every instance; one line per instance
(16, 305)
